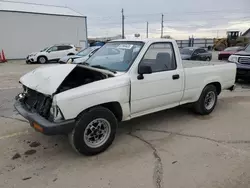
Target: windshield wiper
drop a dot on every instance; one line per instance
(102, 67)
(84, 63)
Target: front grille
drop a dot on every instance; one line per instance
(38, 102)
(244, 60)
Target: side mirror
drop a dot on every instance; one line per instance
(143, 69)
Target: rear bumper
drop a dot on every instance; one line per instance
(232, 88)
(43, 125)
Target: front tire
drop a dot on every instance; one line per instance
(94, 131)
(207, 101)
(42, 60)
(208, 59)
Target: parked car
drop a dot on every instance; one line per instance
(52, 53)
(83, 55)
(195, 53)
(224, 55)
(86, 101)
(242, 60)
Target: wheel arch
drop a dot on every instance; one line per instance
(114, 106)
(217, 86)
(42, 55)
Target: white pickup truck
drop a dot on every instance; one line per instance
(86, 101)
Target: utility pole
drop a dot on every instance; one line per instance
(147, 31)
(162, 26)
(123, 35)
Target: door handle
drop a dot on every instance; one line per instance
(176, 76)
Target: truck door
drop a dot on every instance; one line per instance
(161, 89)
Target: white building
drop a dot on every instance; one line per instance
(27, 27)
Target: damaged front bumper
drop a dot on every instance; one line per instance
(43, 125)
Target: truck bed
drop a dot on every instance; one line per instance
(200, 73)
(192, 64)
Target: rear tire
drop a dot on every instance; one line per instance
(94, 131)
(207, 101)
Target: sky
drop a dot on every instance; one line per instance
(182, 18)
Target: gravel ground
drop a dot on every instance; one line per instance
(172, 148)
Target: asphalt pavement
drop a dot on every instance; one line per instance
(173, 148)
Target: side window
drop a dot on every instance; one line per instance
(160, 57)
(202, 51)
(60, 48)
(196, 52)
(68, 47)
(53, 49)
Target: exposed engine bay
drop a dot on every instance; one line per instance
(36, 102)
(80, 76)
(40, 103)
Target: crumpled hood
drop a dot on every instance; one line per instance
(47, 79)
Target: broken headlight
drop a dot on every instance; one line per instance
(55, 113)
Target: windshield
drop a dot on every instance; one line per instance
(116, 56)
(85, 52)
(44, 49)
(247, 48)
(186, 51)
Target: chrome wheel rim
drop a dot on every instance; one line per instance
(42, 60)
(97, 133)
(209, 100)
